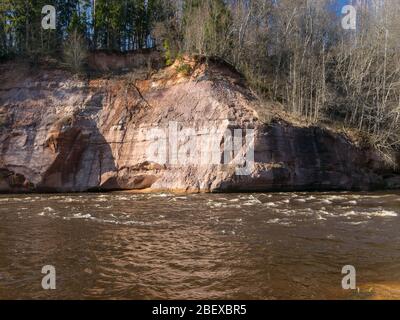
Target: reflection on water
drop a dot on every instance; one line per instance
(215, 246)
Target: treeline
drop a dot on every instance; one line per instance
(115, 25)
(294, 52)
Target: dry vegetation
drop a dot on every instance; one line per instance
(75, 52)
(297, 54)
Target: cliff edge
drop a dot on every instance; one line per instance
(62, 134)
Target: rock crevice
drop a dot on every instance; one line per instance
(58, 134)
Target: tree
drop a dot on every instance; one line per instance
(207, 27)
(3, 31)
(75, 51)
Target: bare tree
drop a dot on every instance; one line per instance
(368, 75)
(75, 52)
(297, 53)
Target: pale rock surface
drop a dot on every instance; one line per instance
(60, 134)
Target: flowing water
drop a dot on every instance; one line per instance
(202, 246)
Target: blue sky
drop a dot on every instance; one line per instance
(339, 4)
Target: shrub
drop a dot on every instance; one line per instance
(75, 52)
(184, 69)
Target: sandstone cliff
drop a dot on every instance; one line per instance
(60, 134)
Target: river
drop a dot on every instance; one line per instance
(200, 246)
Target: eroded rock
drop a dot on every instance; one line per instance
(59, 134)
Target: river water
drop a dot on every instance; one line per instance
(201, 246)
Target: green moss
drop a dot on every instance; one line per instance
(168, 53)
(184, 68)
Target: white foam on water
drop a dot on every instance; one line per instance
(319, 217)
(357, 223)
(379, 213)
(385, 213)
(216, 205)
(125, 198)
(184, 198)
(281, 222)
(370, 196)
(47, 211)
(251, 202)
(106, 221)
(271, 204)
(326, 213)
(352, 213)
(134, 222)
(82, 216)
(287, 212)
(160, 195)
(337, 198)
(248, 197)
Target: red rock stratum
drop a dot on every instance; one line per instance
(60, 134)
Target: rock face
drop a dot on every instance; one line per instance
(59, 134)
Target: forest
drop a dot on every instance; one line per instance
(296, 53)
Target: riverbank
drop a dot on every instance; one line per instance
(171, 129)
